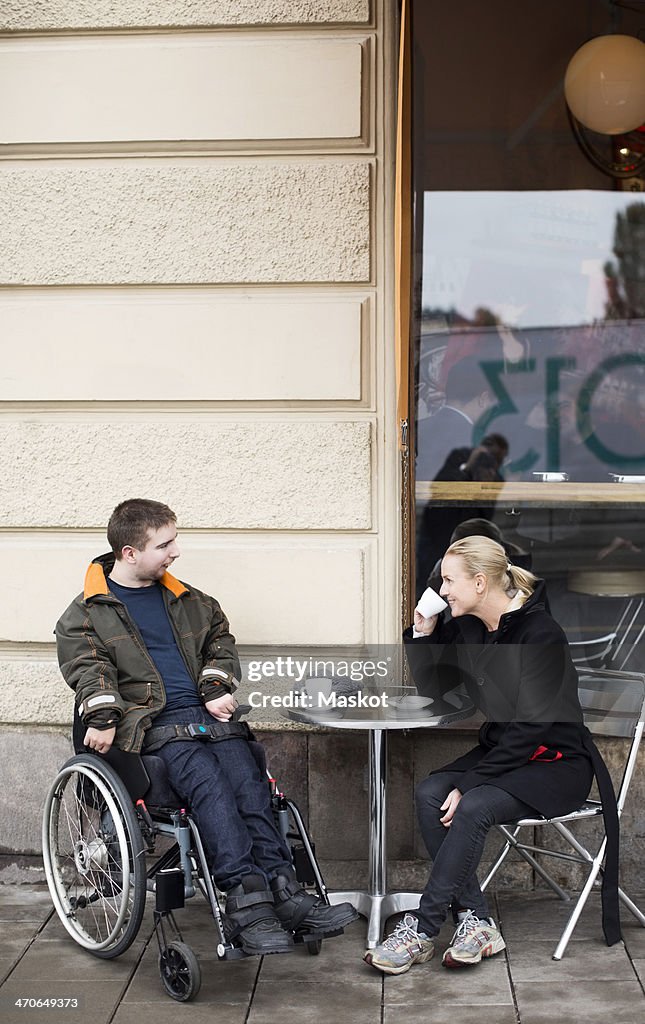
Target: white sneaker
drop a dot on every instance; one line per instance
(404, 947)
(474, 939)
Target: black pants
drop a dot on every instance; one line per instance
(456, 851)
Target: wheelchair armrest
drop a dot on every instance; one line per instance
(131, 770)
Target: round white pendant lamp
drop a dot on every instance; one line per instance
(604, 84)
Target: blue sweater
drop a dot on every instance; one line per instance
(148, 611)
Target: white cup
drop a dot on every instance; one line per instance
(430, 603)
(318, 687)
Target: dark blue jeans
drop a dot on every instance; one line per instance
(229, 799)
(456, 851)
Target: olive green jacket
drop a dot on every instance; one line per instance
(103, 657)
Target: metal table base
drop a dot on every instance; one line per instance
(377, 909)
(377, 904)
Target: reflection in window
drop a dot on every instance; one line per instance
(533, 327)
(529, 312)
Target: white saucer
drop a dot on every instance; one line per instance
(411, 702)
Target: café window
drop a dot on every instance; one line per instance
(527, 354)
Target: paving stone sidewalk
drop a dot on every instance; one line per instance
(591, 985)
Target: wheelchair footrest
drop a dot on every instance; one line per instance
(231, 953)
(316, 936)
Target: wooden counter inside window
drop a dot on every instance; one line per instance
(568, 493)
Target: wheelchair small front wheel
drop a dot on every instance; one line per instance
(180, 973)
(314, 946)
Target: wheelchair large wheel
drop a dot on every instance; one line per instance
(94, 856)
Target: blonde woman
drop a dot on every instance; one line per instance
(534, 753)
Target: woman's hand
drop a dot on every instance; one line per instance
(450, 806)
(423, 625)
(221, 708)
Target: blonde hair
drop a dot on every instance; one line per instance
(481, 554)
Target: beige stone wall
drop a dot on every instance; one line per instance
(187, 224)
(224, 472)
(185, 86)
(196, 301)
(48, 15)
(305, 328)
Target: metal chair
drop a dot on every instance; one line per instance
(613, 705)
(594, 653)
(627, 586)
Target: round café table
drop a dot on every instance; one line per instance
(377, 904)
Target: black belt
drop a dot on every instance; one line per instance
(609, 887)
(214, 732)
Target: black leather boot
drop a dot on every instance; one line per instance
(303, 912)
(250, 919)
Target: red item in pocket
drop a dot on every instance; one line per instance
(538, 755)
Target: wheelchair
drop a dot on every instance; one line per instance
(102, 818)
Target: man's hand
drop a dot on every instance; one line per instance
(222, 708)
(423, 625)
(99, 740)
(450, 806)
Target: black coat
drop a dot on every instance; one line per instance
(534, 743)
(523, 680)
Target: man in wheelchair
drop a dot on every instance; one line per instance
(154, 668)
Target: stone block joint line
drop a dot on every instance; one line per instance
(507, 961)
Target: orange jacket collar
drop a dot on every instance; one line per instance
(173, 585)
(96, 583)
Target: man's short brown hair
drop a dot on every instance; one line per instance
(131, 520)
